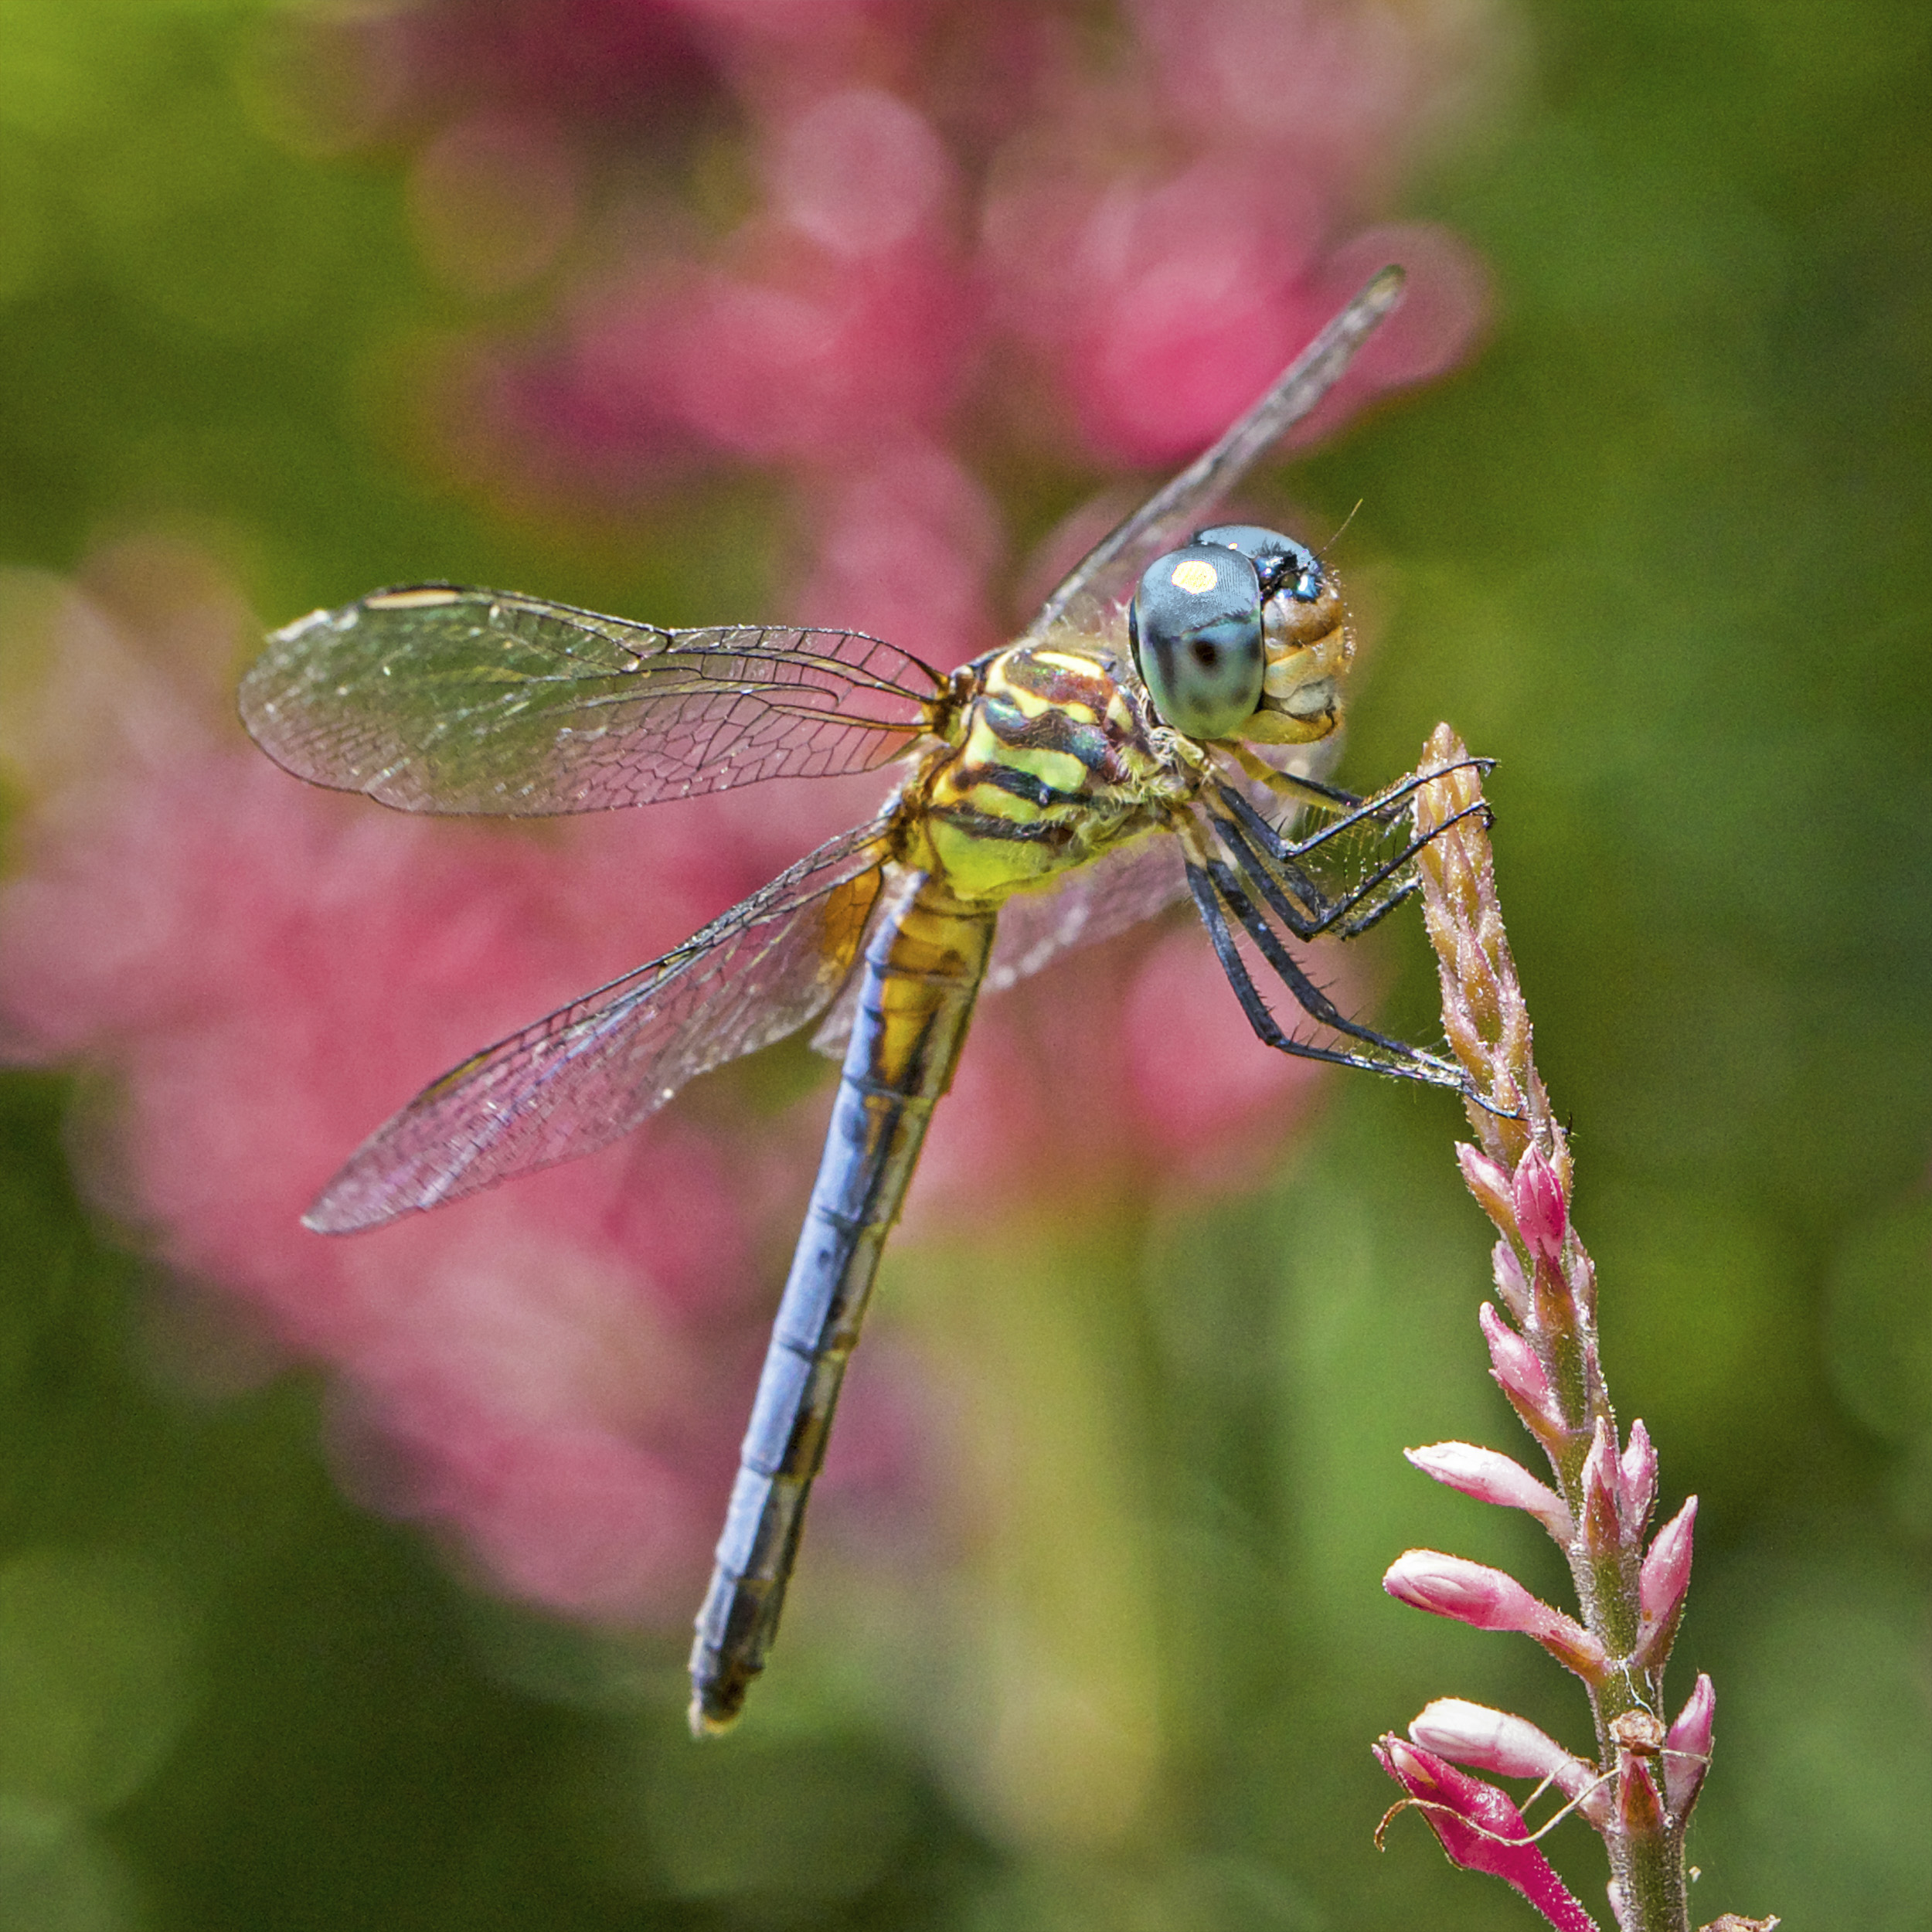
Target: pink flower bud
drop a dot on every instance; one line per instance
(1512, 1747)
(1474, 1593)
(1542, 1216)
(1511, 1282)
(1492, 1477)
(1640, 1811)
(1602, 1481)
(1666, 1573)
(1489, 1183)
(1687, 1749)
(1637, 1470)
(1481, 1829)
(1579, 1275)
(1521, 1374)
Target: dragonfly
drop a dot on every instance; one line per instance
(1156, 733)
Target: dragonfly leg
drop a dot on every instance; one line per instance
(1386, 805)
(1273, 866)
(1217, 891)
(1292, 785)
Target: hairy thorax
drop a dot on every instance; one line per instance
(1051, 760)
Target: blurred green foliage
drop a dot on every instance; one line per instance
(1663, 551)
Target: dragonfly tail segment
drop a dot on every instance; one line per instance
(923, 969)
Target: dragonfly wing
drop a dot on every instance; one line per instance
(594, 1069)
(1099, 900)
(1107, 575)
(443, 700)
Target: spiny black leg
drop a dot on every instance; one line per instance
(1351, 917)
(1303, 920)
(1324, 912)
(1380, 808)
(1265, 1028)
(1407, 1064)
(1329, 794)
(1328, 913)
(1310, 997)
(1292, 784)
(1380, 911)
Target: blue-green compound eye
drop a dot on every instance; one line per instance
(1286, 568)
(1195, 627)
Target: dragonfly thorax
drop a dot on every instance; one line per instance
(1054, 759)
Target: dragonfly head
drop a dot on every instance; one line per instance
(1242, 634)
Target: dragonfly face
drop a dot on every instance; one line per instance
(1242, 634)
(1056, 791)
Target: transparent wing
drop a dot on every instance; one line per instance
(1115, 892)
(439, 698)
(595, 1068)
(1097, 901)
(1107, 574)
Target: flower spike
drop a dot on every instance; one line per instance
(1545, 1354)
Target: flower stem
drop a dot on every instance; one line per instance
(1521, 1172)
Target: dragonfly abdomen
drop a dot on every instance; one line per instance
(923, 969)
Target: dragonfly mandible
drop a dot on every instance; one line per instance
(1155, 733)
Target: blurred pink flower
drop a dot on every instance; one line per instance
(903, 547)
(267, 971)
(889, 251)
(952, 206)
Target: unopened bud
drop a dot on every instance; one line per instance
(1475, 977)
(1542, 1216)
(1640, 1811)
(1488, 1599)
(1665, 1577)
(1512, 1747)
(1487, 1181)
(1510, 1282)
(1490, 1476)
(1637, 1471)
(1520, 1374)
(1603, 1529)
(1687, 1749)
(1579, 1276)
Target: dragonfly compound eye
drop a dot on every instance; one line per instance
(1286, 568)
(1195, 627)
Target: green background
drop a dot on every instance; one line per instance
(1662, 550)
